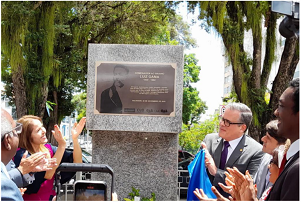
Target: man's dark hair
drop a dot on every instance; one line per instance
(295, 85)
(272, 130)
(123, 67)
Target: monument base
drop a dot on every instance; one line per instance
(145, 161)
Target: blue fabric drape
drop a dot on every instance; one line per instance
(198, 177)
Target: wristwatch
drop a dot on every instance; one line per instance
(29, 178)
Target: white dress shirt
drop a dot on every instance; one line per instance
(233, 145)
(294, 148)
(3, 167)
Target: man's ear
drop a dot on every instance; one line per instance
(6, 142)
(244, 128)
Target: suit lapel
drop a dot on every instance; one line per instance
(262, 179)
(289, 164)
(238, 151)
(279, 179)
(217, 150)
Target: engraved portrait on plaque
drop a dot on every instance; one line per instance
(129, 88)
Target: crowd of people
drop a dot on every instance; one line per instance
(28, 162)
(232, 158)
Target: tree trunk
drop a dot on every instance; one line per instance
(43, 99)
(287, 67)
(49, 128)
(55, 115)
(19, 92)
(52, 120)
(269, 52)
(256, 69)
(236, 69)
(254, 132)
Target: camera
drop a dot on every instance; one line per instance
(90, 191)
(289, 26)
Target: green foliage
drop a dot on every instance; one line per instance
(48, 105)
(232, 97)
(193, 106)
(179, 32)
(32, 46)
(231, 20)
(135, 192)
(49, 41)
(191, 136)
(13, 23)
(79, 101)
(191, 70)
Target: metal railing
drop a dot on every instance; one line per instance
(183, 181)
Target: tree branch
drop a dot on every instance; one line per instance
(37, 5)
(287, 66)
(256, 69)
(269, 49)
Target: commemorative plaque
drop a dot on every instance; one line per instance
(130, 88)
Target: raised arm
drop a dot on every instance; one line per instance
(76, 131)
(59, 152)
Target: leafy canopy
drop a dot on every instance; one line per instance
(193, 106)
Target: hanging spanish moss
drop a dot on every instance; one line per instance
(231, 19)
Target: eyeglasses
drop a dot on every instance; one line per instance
(227, 122)
(15, 132)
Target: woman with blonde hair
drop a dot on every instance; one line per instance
(33, 139)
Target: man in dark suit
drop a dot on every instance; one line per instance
(231, 147)
(286, 186)
(110, 101)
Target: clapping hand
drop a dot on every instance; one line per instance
(243, 188)
(249, 190)
(78, 128)
(230, 187)
(58, 136)
(199, 193)
(36, 163)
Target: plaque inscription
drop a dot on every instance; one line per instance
(128, 88)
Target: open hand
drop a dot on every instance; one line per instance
(58, 136)
(199, 193)
(234, 179)
(78, 128)
(228, 188)
(248, 191)
(218, 195)
(35, 163)
(225, 188)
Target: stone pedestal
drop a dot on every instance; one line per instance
(146, 161)
(142, 150)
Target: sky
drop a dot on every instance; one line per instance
(209, 52)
